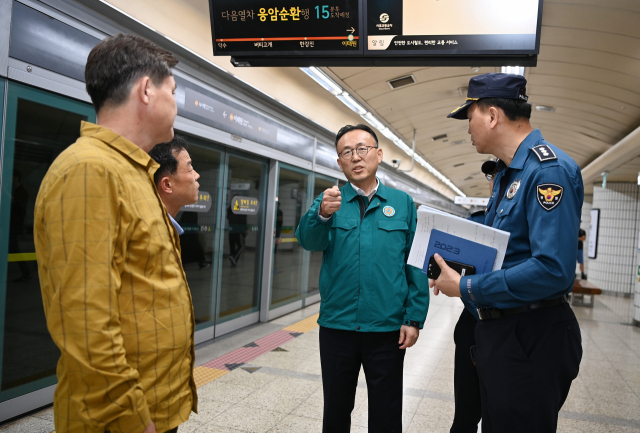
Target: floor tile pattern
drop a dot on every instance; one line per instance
(274, 383)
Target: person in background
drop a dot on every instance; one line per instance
(19, 200)
(466, 383)
(279, 222)
(115, 295)
(528, 342)
(582, 236)
(237, 234)
(372, 303)
(176, 179)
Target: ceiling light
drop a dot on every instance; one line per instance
(322, 79)
(401, 81)
(455, 143)
(348, 100)
(475, 69)
(547, 108)
(518, 70)
(373, 121)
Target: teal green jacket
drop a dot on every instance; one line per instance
(365, 282)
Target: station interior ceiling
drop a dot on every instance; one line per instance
(588, 72)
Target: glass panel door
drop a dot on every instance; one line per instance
(315, 261)
(198, 242)
(242, 237)
(289, 259)
(39, 125)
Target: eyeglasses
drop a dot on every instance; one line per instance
(361, 150)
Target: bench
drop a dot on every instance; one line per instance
(581, 288)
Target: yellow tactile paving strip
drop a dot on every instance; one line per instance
(305, 325)
(204, 375)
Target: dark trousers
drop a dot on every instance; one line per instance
(527, 362)
(174, 430)
(236, 244)
(466, 383)
(341, 355)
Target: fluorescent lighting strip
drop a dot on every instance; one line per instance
(343, 96)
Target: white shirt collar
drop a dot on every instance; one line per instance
(362, 193)
(179, 229)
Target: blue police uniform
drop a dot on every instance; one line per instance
(541, 210)
(528, 343)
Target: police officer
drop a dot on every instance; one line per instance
(373, 304)
(528, 343)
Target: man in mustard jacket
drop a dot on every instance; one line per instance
(115, 294)
(373, 303)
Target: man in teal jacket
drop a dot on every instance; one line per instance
(373, 303)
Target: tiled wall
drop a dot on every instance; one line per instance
(616, 267)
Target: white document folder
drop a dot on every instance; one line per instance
(430, 218)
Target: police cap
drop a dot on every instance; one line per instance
(496, 85)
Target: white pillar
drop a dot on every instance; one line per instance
(615, 269)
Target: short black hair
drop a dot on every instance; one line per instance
(514, 109)
(165, 155)
(349, 128)
(117, 62)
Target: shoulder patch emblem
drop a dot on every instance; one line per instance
(388, 211)
(544, 152)
(549, 195)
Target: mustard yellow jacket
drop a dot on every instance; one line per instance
(115, 294)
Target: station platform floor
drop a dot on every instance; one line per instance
(266, 378)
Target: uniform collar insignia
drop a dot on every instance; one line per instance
(544, 153)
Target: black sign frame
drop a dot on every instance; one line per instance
(295, 53)
(369, 58)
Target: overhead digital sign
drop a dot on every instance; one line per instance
(377, 32)
(291, 27)
(441, 27)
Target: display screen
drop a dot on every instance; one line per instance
(290, 27)
(442, 27)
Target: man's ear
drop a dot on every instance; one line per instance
(494, 115)
(165, 185)
(142, 89)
